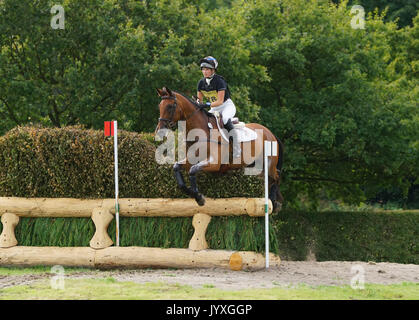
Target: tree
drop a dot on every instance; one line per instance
(108, 60)
(62, 76)
(347, 119)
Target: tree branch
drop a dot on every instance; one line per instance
(10, 111)
(16, 61)
(314, 179)
(55, 120)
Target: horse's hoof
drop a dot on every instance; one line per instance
(277, 206)
(200, 199)
(188, 191)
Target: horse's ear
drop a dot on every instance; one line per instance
(169, 91)
(159, 92)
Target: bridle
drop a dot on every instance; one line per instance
(175, 106)
(170, 121)
(174, 109)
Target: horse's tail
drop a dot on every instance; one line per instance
(280, 156)
(279, 164)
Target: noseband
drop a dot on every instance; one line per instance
(175, 106)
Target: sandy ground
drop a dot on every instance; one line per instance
(290, 273)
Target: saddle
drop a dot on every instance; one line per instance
(218, 119)
(236, 123)
(243, 133)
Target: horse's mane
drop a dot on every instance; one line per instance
(194, 103)
(189, 99)
(205, 111)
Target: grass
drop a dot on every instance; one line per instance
(18, 271)
(111, 289)
(337, 205)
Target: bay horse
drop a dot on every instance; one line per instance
(175, 106)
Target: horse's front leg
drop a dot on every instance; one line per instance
(195, 169)
(177, 168)
(210, 163)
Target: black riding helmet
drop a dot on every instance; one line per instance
(208, 62)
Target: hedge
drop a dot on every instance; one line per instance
(391, 236)
(77, 163)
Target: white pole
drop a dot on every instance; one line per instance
(115, 126)
(267, 151)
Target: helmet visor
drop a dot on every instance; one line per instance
(207, 65)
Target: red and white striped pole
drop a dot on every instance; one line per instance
(111, 129)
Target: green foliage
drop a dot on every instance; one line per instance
(401, 11)
(107, 61)
(57, 232)
(355, 236)
(348, 121)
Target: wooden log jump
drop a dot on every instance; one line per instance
(147, 207)
(102, 212)
(133, 257)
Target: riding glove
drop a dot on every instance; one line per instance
(205, 105)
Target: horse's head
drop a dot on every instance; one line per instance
(170, 112)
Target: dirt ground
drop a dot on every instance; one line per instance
(290, 273)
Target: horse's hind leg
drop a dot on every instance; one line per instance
(279, 195)
(273, 193)
(274, 181)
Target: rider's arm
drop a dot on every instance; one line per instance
(200, 96)
(220, 99)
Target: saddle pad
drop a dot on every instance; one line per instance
(245, 134)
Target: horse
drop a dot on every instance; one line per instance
(175, 106)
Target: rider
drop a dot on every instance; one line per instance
(214, 89)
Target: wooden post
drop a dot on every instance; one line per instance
(7, 237)
(200, 222)
(101, 217)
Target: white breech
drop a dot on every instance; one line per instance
(227, 110)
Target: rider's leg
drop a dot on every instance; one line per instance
(228, 110)
(236, 144)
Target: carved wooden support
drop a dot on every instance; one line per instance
(101, 217)
(7, 237)
(200, 222)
